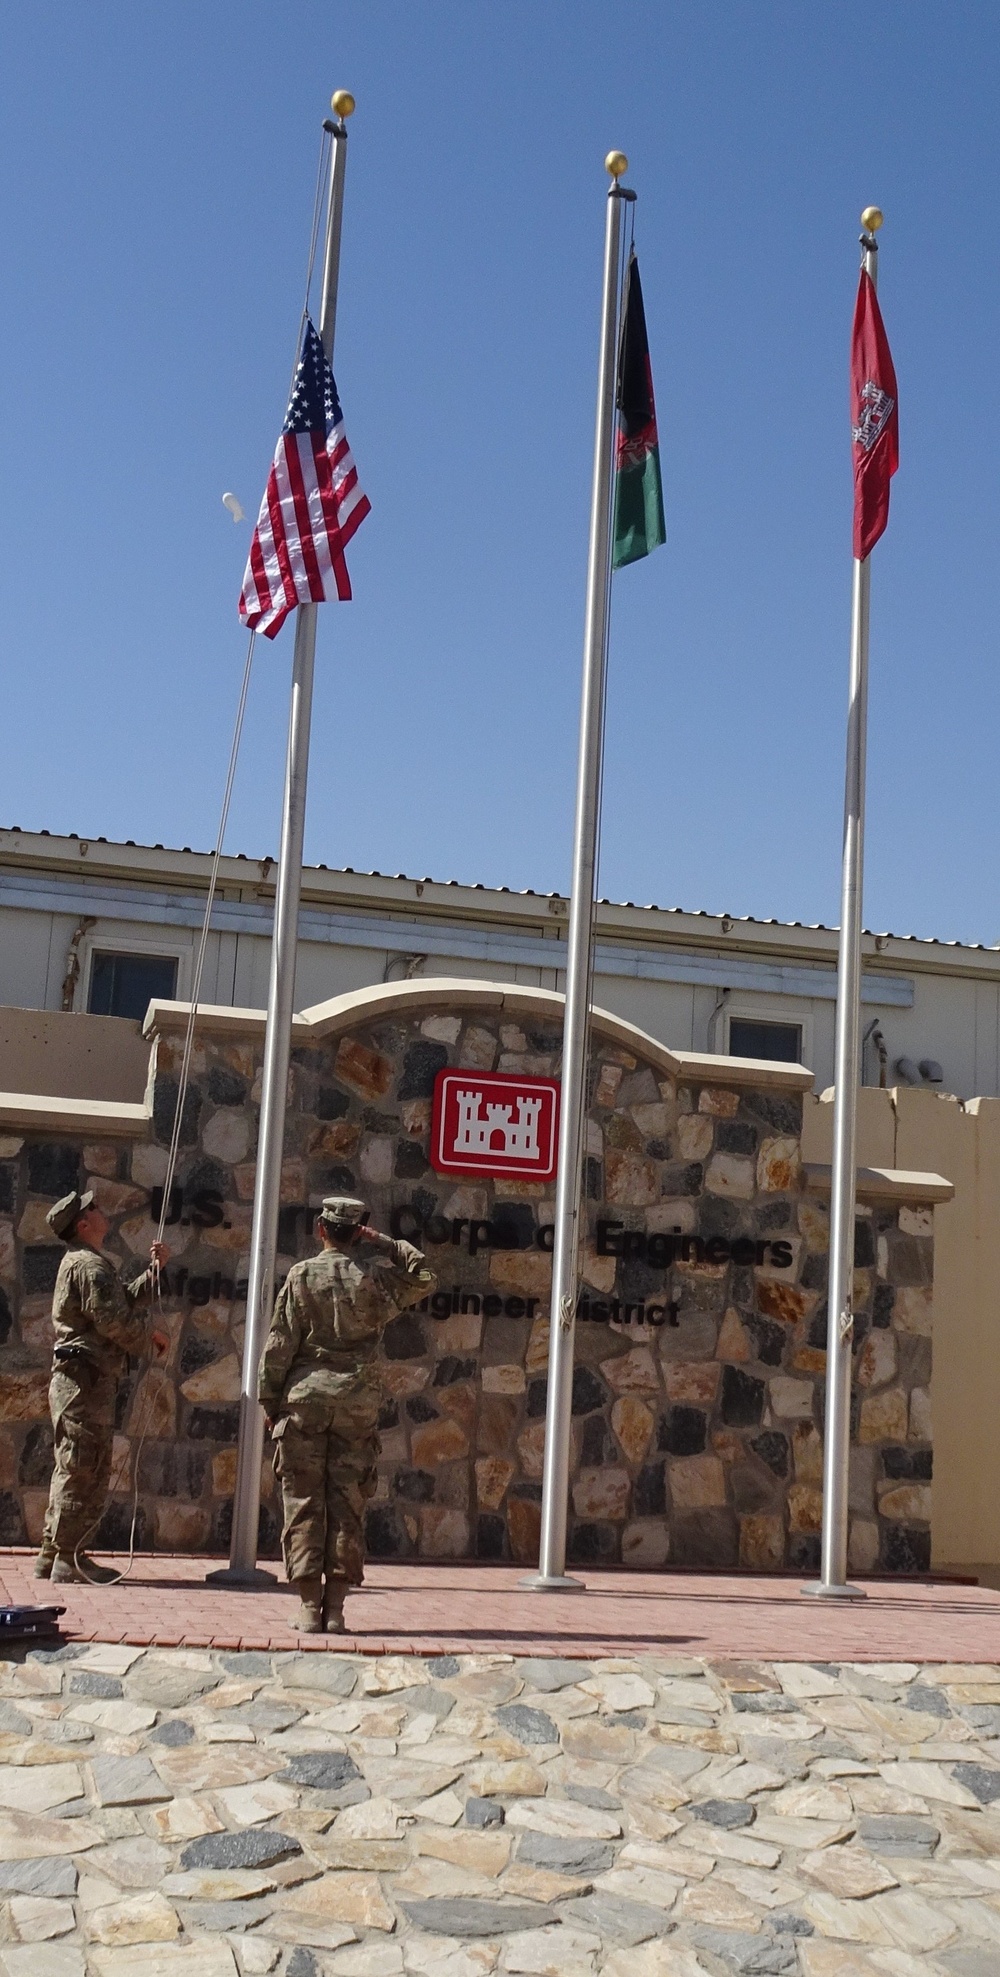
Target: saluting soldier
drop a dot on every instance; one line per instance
(320, 1390)
(97, 1326)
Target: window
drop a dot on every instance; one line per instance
(125, 984)
(749, 1038)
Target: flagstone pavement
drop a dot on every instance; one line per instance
(612, 1796)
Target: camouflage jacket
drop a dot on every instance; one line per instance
(92, 1314)
(330, 1314)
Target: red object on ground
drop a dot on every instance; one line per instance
(483, 1609)
(874, 419)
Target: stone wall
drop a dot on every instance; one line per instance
(696, 1438)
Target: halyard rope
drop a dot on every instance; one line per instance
(134, 1443)
(605, 671)
(213, 880)
(155, 1287)
(185, 1071)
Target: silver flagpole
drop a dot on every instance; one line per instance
(243, 1569)
(551, 1575)
(847, 1071)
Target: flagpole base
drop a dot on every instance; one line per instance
(820, 1590)
(253, 1579)
(556, 1582)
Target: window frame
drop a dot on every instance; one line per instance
(94, 943)
(747, 1012)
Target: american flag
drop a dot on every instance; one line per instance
(312, 503)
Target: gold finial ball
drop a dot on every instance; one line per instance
(616, 163)
(342, 103)
(871, 218)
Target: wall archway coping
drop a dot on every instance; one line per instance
(346, 1012)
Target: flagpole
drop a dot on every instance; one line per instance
(551, 1575)
(847, 1067)
(243, 1569)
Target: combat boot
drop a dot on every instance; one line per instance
(309, 1619)
(80, 1570)
(333, 1606)
(44, 1562)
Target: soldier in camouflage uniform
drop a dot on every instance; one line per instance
(96, 1326)
(320, 1391)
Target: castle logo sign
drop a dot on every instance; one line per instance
(496, 1125)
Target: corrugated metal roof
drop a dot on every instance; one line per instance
(528, 892)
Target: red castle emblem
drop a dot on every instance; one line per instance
(500, 1125)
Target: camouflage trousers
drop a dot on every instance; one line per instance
(83, 1425)
(325, 1458)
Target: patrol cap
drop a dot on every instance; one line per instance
(63, 1214)
(342, 1211)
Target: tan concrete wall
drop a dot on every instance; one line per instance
(936, 1133)
(72, 1056)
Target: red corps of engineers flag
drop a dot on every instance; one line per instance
(312, 503)
(874, 419)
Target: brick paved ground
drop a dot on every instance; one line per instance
(442, 1609)
(173, 1812)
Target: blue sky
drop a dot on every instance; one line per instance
(160, 164)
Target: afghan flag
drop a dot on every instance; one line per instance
(874, 419)
(639, 525)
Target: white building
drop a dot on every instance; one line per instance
(89, 925)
